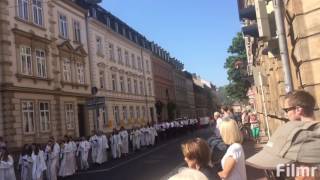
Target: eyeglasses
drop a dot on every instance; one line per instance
(288, 109)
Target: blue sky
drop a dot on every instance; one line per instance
(198, 33)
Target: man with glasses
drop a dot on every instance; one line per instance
(299, 106)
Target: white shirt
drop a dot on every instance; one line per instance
(239, 170)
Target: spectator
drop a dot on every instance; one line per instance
(255, 130)
(189, 174)
(224, 111)
(233, 162)
(293, 147)
(197, 155)
(6, 165)
(299, 106)
(217, 118)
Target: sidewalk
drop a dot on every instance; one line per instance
(250, 148)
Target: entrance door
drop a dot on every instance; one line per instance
(81, 120)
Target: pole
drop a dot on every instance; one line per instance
(97, 113)
(283, 47)
(264, 105)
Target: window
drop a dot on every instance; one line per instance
(102, 79)
(63, 26)
(135, 86)
(116, 27)
(37, 12)
(108, 21)
(125, 114)
(111, 52)
(114, 82)
(122, 88)
(26, 61)
(80, 73)
(67, 70)
(131, 112)
(124, 31)
(119, 56)
(44, 116)
(139, 63)
(116, 115)
(104, 116)
(69, 115)
(133, 59)
(129, 85)
(141, 88)
(41, 63)
(150, 88)
(147, 66)
(76, 31)
(130, 35)
(99, 45)
(23, 9)
(138, 112)
(143, 111)
(126, 56)
(28, 116)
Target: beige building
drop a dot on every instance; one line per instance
(121, 69)
(302, 27)
(44, 70)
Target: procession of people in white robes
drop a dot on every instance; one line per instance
(66, 157)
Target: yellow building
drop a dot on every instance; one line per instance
(301, 29)
(44, 70)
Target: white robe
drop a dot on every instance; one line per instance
(67, 166)
(7, 169)
(143, 137)
(133, 140)
(52, 161)
(26, 167)
(102, 146)
(138, 138)
(94, 147)
(124, 140)
(38, 166)
(153, 135)
(116, 145)
(73, 157)
(83, 151)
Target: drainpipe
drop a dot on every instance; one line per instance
(283, 47)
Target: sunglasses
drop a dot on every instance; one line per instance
(288, 109)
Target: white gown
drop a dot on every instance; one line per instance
(94, 147)
(52, 161)
(102, 146)
(124, 140)
(26, 167)
(83, 151)
(67, 166)
(38, 166)
(138, 138)
(116, 146)
(7, 169)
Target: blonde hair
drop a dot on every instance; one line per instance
(197, 149)
(230, 131)
(216, 114)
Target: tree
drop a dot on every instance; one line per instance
(237, 75)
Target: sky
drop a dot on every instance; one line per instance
(198, 33)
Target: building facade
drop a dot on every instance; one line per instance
(191, 95)
(181, 92)
(163, 83)
(44, 71)
(264, 60)
(121, 69)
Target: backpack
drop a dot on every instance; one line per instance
(218, 149)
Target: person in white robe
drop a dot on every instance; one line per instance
(83, 153)
(138, 138)
(52, 152)
(6, 165)
(125, 141)
(102, 146)
(25, 162)
(39, 165)
(94, 147)
(132, 138)
(154, 134)
(143, 137)
(116, 143)
(74, 147)
(66, 166)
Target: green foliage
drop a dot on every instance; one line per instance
(238, 86)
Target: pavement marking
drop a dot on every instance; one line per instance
(128, 161)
